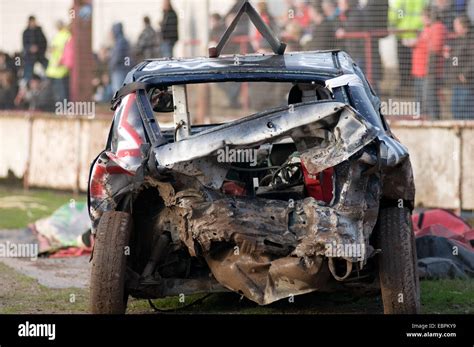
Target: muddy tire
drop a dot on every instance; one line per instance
(397, 263)
(107, 289)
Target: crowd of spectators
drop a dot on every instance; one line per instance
(39, 77)
(435, 42)
(435, 45)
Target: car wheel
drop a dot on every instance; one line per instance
(398, 271)
(107, 289)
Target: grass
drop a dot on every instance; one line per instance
(448, 296)
(314, 303)
(21, 294)
(19, 207)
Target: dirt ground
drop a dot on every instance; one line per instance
(20, 293)
(54, 273)
(23, 294)
(61, 286)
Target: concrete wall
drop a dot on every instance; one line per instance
(467, 192)
(14, 144)
(50, 152)
(443, 163)
(54, 149)
(54, 152)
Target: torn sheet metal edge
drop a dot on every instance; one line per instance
(351, 80)
(244, 132)
(349, 221)
(392, 151)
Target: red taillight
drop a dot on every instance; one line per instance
(234, 189)
(319, 186)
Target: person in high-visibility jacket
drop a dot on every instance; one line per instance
(406, 15)
(56, 72)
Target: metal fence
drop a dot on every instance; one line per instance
(417, 54)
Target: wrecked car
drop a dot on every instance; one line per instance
(311, 195)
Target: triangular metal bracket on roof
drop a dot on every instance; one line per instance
(278, 47)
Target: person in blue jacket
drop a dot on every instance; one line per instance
(120, 59)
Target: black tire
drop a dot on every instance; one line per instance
(398, 272)
(107, 288)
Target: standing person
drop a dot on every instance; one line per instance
(460, 69)
(292, 34)
(101, 82)
(330, 10)
(303, 14)
(119, 63)
(7, 92)
(446, 12)
(242, 29)
(470, 10)
(322, 29)
(351, 19)
(34, 48)
(427, 65)
(460, 6)
(169, 29)
(289, 14)
(7, 66)
(8, 86)
(38, 96)
(258, 41)
(147, 43)
(56, 72)
(406, 15)
(217, 28)
(376, 18)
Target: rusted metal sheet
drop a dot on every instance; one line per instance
(268, 249)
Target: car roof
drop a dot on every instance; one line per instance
(318, 65)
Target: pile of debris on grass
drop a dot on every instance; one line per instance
(444, 244)
(66, 233)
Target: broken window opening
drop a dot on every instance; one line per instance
(230, 101)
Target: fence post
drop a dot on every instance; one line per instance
(368, 56)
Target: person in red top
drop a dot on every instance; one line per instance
(427, 63)
(258, 43)
(303, 14)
